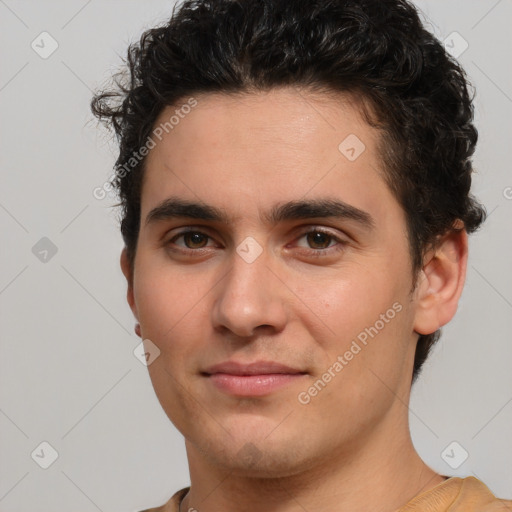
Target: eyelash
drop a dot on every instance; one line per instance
(318, 253)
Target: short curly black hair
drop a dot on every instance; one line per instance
(378, 50)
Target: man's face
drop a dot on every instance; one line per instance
(334, 305)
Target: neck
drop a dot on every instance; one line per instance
(383, 473)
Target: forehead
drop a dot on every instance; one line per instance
(245, 150)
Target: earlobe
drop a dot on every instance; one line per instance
(128, 274)
(441, 282)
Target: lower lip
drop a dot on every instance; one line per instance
(252, 385)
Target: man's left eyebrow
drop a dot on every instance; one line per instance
(319, 208)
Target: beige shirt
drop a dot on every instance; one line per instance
(453, 495)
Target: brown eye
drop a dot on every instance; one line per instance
(319, 243)
(190, 244)
(319, 240)
(195, 240)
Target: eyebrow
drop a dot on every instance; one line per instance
(175, 207)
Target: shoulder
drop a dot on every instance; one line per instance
(172, 505)
(474, 493)
(458, 495)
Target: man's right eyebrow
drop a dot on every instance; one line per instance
(176, 207)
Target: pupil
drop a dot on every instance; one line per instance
(318, 238)
(195, 239)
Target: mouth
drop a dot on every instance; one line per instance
(255, 379)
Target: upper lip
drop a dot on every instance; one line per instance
(256, 368)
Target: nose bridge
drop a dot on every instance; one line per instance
(248, 297)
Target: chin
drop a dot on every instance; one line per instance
(254, 457)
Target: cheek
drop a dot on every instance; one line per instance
(368, 324)
(349, 303)
(168, 300)
(171, 313)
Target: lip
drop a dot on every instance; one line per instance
(256, 368)
(254, 379)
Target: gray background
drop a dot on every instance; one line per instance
(68, 375)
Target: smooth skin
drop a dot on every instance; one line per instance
(301, 302)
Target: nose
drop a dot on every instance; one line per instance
(251, 297)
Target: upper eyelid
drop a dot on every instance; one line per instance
(185, 232)
(336, 238)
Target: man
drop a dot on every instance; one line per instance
(295, 188)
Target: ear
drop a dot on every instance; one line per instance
(441, 281)
(128, 273)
